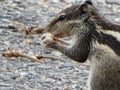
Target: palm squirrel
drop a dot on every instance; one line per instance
(93, 38)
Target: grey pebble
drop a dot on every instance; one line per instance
(15, 76)
(43, 67)
(113, 1)
(17, 1)
(67, 66)
(6, 77)
(5, 85)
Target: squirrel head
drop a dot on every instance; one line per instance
(69, 19)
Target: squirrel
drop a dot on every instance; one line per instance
(94, 38)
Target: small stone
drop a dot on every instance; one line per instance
(15, 76)
(5, 85)
(66, 66)
(17, 1)
(6, 78)
(15, 30)
(68, 1)
(113, 1)
(43, 67)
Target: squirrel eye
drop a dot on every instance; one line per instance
(62, 17)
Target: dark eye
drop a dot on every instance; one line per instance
(62, 17)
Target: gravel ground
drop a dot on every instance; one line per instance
(24, 74)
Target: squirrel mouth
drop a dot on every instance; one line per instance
(60, 35)
(57, 33)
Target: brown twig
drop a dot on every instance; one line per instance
(33, 30)
(28, 30)
(20, 54)
(49, 57)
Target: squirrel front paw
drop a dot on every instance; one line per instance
(48, 40)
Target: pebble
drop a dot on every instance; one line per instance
(17, 1)
(15, 76)
(5, 85)
(6, 77)
(113, 1)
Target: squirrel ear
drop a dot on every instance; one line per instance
(88, 2)
(84, 8)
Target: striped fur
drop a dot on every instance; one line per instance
(93, 38)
